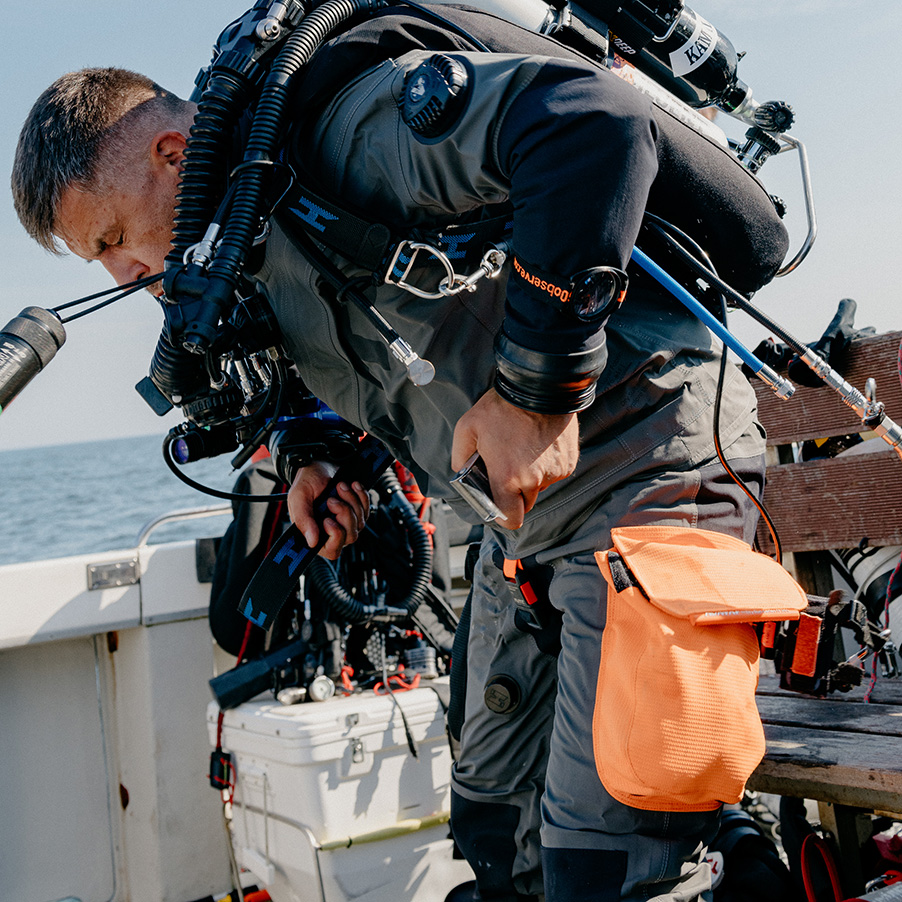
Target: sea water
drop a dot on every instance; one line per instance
(96, 496)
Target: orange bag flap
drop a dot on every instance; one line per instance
(707, 577)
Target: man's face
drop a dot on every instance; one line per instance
(127, 227)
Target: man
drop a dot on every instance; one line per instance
(584, 422)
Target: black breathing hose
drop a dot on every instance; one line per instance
(177, 373)
(267, 130)
(174, 370)
(205, 175)
(420, 543)
(345, 605)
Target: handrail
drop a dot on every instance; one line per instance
(191, 513)
(791, 143)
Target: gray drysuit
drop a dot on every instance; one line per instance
(647, 456)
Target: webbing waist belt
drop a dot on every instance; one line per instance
(376, 247)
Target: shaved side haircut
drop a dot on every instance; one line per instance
(81, 124)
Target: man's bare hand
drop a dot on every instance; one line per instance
(348, 511)
(523, 452)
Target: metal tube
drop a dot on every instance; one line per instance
(781, 387)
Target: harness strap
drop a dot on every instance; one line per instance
(530, 583)
(373, 245)
(289, 557)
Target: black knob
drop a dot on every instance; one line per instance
(768, 143)
(434, 96)
(775, 116)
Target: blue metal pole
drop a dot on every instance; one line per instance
(783, 388)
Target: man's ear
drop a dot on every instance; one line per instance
(168, 149)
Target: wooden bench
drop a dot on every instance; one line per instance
(839, 751)
(832, 503)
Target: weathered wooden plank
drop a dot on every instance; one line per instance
(818, 412)
(834, 503)
(839, 767)
(826, 714)
(839, 749)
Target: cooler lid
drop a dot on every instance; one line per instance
(318, 723)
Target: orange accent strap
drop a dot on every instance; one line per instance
(510, 569)
(804, 656)
(409, 485)
(768, 634)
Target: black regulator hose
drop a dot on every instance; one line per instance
(224, 99)
(205, 172)
(267, 131)
(346, 606)
(174, 370)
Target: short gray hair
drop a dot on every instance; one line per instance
(68, 127)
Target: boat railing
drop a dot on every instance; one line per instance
(191, 513)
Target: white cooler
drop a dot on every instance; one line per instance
(331, 806)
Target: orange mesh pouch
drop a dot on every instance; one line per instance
(675, 726)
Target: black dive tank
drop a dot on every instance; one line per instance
(675, 46)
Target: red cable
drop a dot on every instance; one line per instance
(381, 689)
(247, 637)
(827, 857)
(242, 650)
(277, 516)
(875, 658)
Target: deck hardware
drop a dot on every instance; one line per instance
(112, 574)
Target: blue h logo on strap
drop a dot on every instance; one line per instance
(452, 244)
(313, 214)
(294, 555)
(248, 612)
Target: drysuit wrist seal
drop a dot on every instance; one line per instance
(547, 383)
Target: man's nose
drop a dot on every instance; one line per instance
(124, 268)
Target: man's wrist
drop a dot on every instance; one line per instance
(547, 383)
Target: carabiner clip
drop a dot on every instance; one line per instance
(400, 266)
(489, 267)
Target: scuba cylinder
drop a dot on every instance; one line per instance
(666, 40)
(669, 52)
(536, 15)
(871, 568)
(685, 53)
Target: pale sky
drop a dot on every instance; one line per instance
(834, 61)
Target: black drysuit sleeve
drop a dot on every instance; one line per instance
(568, 144)
(578, 147)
